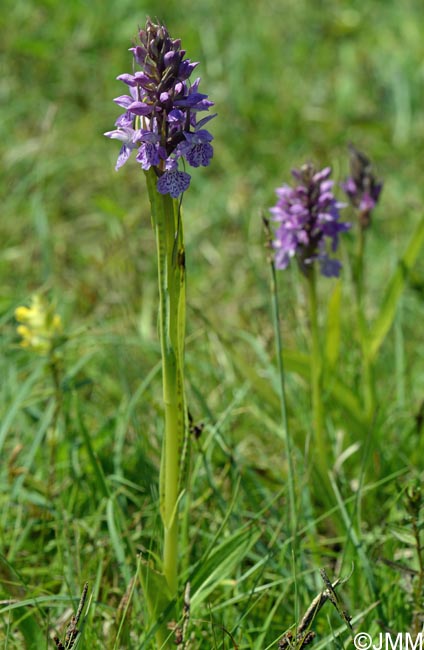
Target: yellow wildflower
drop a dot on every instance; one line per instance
(39, 325)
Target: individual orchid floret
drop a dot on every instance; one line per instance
(307, 222)
(362, 188)
(161, 112)
(129, 139)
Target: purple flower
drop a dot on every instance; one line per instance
(362, 188)
(307, 222)
(161, 109)
(150, 152)
(173, 182)
(128, 137)
(197, 149)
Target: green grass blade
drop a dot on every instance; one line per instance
(95, 463)
(116, 538)
(394, 290)
(36, 442)
(31, 630)
(365, 564)
(124, 621)
(348, 401)
(332, 341)
(160, 603)
(17, 404)
(298, 363)
(126, 410)
(219, 565)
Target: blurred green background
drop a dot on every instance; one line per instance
(292, 81)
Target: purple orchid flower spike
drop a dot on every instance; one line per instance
(362, 188)
(307, 222)
(161, 108)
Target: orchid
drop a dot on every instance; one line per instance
(161, 109)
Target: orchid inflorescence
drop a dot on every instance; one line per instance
(160, 119)
(361, 187)
(307, 221)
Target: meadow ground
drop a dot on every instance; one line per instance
(292, 81)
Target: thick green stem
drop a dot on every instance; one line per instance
(166, 220)
(316, 376)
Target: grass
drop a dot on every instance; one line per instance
(292, 81)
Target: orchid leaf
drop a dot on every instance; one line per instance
(394, 289)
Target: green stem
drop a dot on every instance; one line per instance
(166, 220)
(283, 403)
(53, 431)
(316, 376)
(367, 365)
